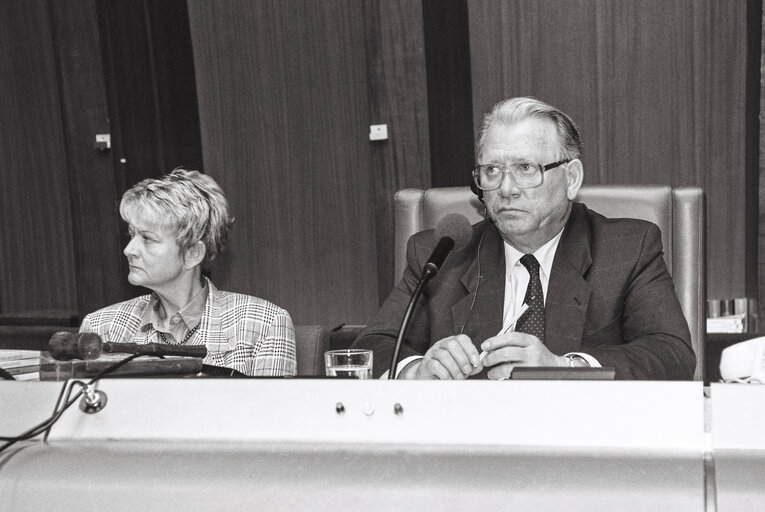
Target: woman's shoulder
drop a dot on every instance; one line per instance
(247, 305)
(127, 309)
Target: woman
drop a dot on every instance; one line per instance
(178, 225)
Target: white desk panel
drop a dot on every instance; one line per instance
(589, 414)
(738, 443)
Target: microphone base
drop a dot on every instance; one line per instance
(93, 402)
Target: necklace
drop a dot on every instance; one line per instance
(185, 339)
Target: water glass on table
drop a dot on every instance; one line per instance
(351, 363)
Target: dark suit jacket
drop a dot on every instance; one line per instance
(610, 295)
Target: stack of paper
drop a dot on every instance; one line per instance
(729, 323)
(21, 364)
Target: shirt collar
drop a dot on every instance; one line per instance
(190, 314)
(544, 255)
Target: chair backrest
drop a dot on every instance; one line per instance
(679, 212)
(311, 341)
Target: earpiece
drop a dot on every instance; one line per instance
(477, 191)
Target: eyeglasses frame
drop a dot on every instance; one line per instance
(505, 170)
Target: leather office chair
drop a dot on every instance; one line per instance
(679, 212)
(311, 341)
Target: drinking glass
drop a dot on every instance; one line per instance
(352, 363)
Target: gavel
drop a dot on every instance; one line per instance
(64, 346)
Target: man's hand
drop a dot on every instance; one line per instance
(505, 351)
(449, 358)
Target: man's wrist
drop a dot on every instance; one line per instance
(408, 371)
(577, 361)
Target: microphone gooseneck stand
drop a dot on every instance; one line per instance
(429, 272)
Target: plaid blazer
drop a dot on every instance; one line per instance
(609, 295)
(242, 332)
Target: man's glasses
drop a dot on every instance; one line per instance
(489, 176)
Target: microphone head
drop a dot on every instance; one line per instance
(452, 232)
(89, 345)
(456, 227)
(65, 345)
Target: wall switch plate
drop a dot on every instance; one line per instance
(378, 132)
(103, 141)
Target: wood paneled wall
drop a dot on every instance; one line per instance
(665, 91)
(285, 108)
(92, 181)
(759, 80)
(657, 87)
(65, 78)
(149, 78)
(398, 93)
(450, 107)
(36, 251)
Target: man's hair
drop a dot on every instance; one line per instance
(190, 203)
(514, 110)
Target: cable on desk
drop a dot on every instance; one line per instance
(66, 392)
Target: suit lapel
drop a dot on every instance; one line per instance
(568, 293)
(484, 317)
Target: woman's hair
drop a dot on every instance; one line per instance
(515, 110)
(190, 203)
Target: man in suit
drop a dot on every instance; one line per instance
(544, 281)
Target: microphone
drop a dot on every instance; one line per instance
(453, 231)
(64, 346)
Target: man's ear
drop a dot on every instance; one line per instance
(574, 178)
(194, 255)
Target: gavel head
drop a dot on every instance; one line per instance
(64, 345)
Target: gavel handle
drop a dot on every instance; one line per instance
(156, 349)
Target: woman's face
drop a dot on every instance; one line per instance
(156, 261)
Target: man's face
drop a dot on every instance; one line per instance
(528, 218)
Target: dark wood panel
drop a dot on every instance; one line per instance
(450, 107)
(172, 60)
(131, 90)
(91, 176)
(36, 253)
(721, 147)
(149, 71)
(151, 94)
(398, 96)
(283, 113)
(658, 89)
(756, 157)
